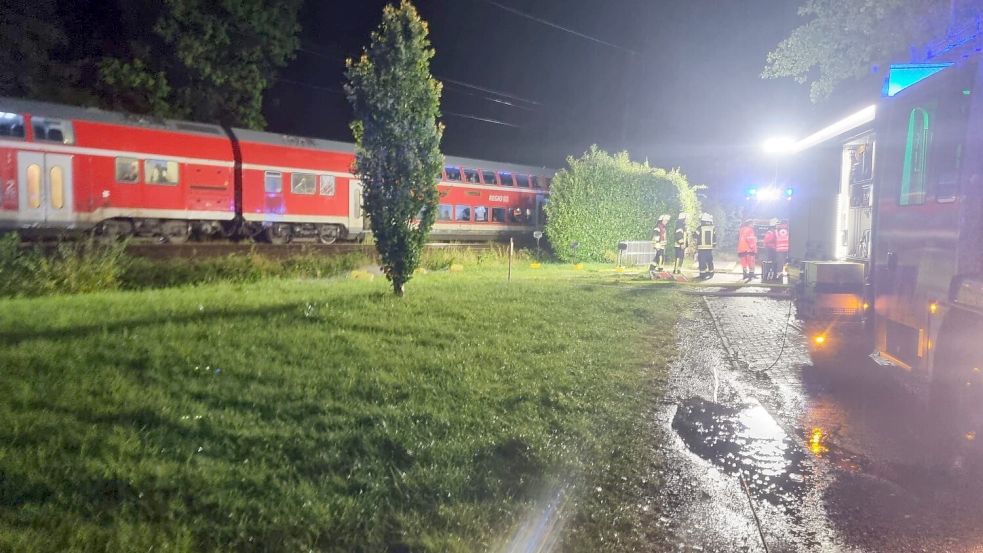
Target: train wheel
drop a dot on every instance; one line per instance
(279, 233)
(113, 231)
(175, 232)
(327, 234)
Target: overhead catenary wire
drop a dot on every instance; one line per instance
(481, 119)
(558, 27)
(503, 98)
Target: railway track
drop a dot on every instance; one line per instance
(220, 249)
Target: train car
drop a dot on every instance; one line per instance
(65, 168)
(490, 200)
(298, 187)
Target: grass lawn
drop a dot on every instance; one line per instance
(327, 415)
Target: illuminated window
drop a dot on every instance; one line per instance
(127, 169)
(327, 185)
(506, 179)
(158, 171)
(488, 177)
(916, 152)
(481, 214)
(462, 213)
(11, 124)
(53, 130)
(273, 182)
(471, 176)
(453, 173)
(303, 183)
(445, 212)
(522, 181)
(56, 180)
(34, 185)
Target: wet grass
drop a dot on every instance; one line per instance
(313, 415)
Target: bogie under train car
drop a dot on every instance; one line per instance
(65, 168)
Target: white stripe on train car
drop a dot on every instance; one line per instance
(283, 218)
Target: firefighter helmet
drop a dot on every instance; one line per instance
(706, 218)
(663, 218)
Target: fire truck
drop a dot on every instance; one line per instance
(901, 273)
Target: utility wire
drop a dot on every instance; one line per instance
(558, 26)
(458, 83)
(482, 119)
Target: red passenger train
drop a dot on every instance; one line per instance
(69, 168)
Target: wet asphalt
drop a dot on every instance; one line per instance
(764, 451)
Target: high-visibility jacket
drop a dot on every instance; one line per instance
(681, 238)
(769, 239)
(659, 237)
(706, 237)
(781, 238)
(747, 242)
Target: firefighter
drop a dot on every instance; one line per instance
(768, 267)
(659, 237)
(680, 243)
(706, 239)
(747, 249)
(782, 238)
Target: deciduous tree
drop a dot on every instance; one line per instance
(396, 102)
(843, 39)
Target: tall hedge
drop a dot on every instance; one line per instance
(601, 199)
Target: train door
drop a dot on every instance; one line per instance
(540, 215)
(356, 215)
(45, 188)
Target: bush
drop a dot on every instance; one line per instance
(602, 199)
(70, 268)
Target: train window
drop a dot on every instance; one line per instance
(498, 215)
(56, 183)
(273, 182)
(506, 179)
(488, 177)
(462, 213)
(522, 181)
(327, 185)
(159, 171)
(471, 176)
(453, 173)
(916, 150)
(481, 214)
(547, 182)
(34, 185)
(127, 169)
(303, 183)
(947, 155)
(11, 124)
(445, 212)
(537, 181)
(53, 130)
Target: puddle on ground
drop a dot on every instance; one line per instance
(745, 441)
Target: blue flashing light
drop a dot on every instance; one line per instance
(752, 191)
(903, 76)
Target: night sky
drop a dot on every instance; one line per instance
(689, 96)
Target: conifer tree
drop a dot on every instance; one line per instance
(396, 102)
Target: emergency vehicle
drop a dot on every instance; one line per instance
(903, 271)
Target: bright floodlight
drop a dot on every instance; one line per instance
(768, 194)
(778, 145)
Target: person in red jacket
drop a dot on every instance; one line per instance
(747, 249)
(768, 268)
